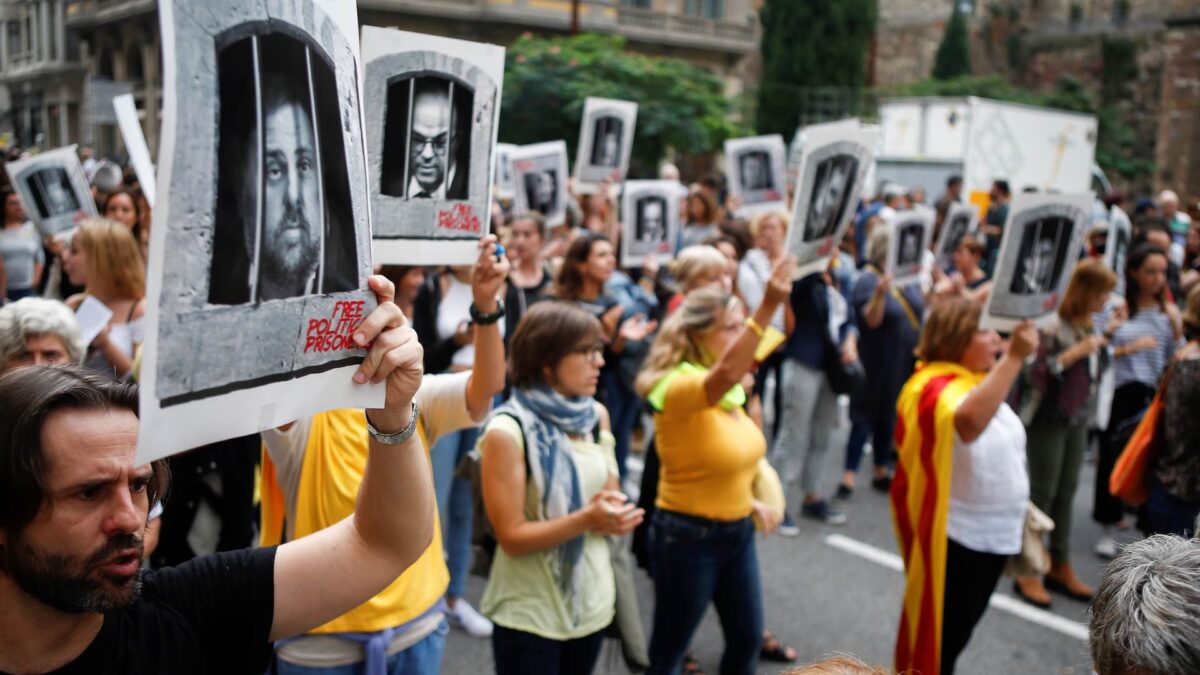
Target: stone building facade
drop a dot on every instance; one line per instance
(62, 60)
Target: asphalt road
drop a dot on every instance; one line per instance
(837, 590)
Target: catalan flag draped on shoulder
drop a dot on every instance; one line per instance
(920, 502)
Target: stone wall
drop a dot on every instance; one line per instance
(1179, 122)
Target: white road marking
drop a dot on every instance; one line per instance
(1001, 602)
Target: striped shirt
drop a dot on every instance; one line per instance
(1147, 365)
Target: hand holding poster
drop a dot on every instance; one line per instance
(261, 247)
(539, 173)
(755, 167)
(650, 220)
(605, 142)
(961, 220)
(433, 106)
(1040, 246)
(833, 167)
(907, 243)
(53, 190)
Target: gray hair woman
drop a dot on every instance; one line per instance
(38, 332)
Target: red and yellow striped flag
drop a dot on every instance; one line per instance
(920, 501)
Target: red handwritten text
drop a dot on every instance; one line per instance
(337, 332)
(461, 218)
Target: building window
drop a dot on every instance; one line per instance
(706, 9)
(638, 4)
(14, 37)
(134, 70)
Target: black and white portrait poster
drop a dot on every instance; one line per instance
(539, 174)
(432, 107)
(961, 220)
(53, 190)
(911, 232)
(605, 141)
(833, 168)
(261, 248)
(650, 220)
(755, 167)
(504, 188)
(1116, 246)
(1041, 243)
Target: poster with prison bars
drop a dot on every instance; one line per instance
(605, 142)
(755, 170)
(432, 111)
(53, 190)
(261, 248)
(649, 221)
(1042, 241)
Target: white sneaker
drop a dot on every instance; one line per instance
(463, 615)
(1106, 547)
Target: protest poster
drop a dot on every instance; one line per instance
(910, 235)
(833, 168)
(755, 167)
(540, 176)
(432, 113)
(135, 145)
(1041, 243)
(961, 220)
(53, 190)
(1116, 245)
(650, 220)
(505, 188)
(605, 142)
(261, 246)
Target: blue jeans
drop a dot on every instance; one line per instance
(623, 406)
(419, 659)
(695, 561)
(1166, 514)
(517, 653)
(454, 504)
(879, 431)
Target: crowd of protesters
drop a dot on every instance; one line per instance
(518, 390)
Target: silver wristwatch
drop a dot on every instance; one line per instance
(398, 437)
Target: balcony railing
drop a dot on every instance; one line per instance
(688, 29)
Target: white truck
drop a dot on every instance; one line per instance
(927, 140)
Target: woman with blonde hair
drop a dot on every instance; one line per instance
(696, 267)
(1062, 383)
(105, 259)
(702, 535)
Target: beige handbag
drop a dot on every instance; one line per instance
(768, 489)
(1034, 558)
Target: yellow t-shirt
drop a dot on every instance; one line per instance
(709, 456)
(521, 593)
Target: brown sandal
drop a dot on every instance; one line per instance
(774, 650)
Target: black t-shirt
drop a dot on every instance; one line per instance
(209, 615)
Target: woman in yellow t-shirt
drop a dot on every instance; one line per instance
(702, 535)
(551, 491)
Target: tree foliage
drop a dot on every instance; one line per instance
(954, 53)
(546, 81)
(1117, 149)
(809, 44)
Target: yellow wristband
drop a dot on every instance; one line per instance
(753, 325)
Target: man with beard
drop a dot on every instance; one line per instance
(74, 515)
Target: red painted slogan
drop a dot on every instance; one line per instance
(337, 332)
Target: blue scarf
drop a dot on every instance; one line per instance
(547, 419)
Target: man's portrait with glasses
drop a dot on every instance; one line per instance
(427, 138)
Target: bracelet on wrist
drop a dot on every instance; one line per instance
(399, 436)
(754, 326)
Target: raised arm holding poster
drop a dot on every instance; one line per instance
(755, 167)
(833, 168)
(53, 191)
(605, 142)
(433, 106)
(961, 220)
(649, 220)
(1042, 240)
(264, 228)
(911, 232)
(539, 174)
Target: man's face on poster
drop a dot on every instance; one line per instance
(543, 189)
(652, 217)
(830, 197)
(291, 234)
(430, 138)
(751, 171)
(610, 147)
(57, 199)
(908, 248)
(1041, 266)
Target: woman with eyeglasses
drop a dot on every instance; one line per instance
(702, 537)
(551, 490)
